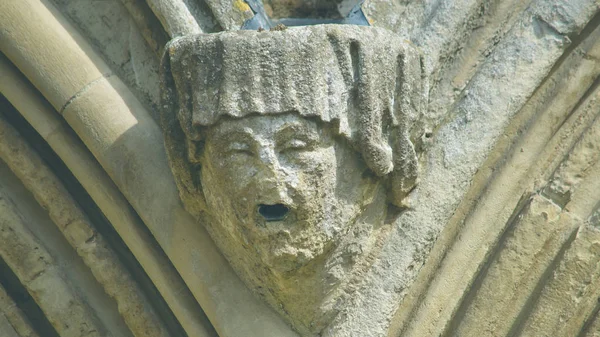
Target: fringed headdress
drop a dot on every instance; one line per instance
(365, 80)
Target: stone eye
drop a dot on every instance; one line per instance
(239, 148)
(294, 144)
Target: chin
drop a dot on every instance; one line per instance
(292, 253)
(289, 259)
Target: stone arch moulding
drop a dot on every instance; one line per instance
(460, 141)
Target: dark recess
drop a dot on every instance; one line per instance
(25, 302)
(317, 9)
(101, 224)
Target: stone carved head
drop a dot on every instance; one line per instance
(290, 147)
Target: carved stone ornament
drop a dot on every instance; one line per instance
(296, 149)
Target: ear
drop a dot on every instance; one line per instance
(186, 174)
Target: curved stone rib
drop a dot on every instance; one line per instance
(578, 177)
(175, 17)
(564, 112)
(572, 291)
(145, 20)
(461, 61)
(14, 317)
(77, 229)
(40, 274)
(491, 181)
(105, 194)
(517, 271)
(591, 327)
(230, 14)
(6, 329)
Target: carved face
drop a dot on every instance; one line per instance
(279, 187)
(292, 158)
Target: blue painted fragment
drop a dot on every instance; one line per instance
(262, 20)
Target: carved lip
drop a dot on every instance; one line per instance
(275, 212)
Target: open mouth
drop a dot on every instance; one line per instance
(275, 212)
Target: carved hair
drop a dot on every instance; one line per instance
(364, 80)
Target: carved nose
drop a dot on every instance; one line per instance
(275, 212)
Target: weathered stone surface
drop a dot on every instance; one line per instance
(498, 238)
(48, 123)
(13, 322)
(113, 32)
(287, 156)
(66, 307)
(125, 140)
(79, 231)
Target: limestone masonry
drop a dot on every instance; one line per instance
(336, 168)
